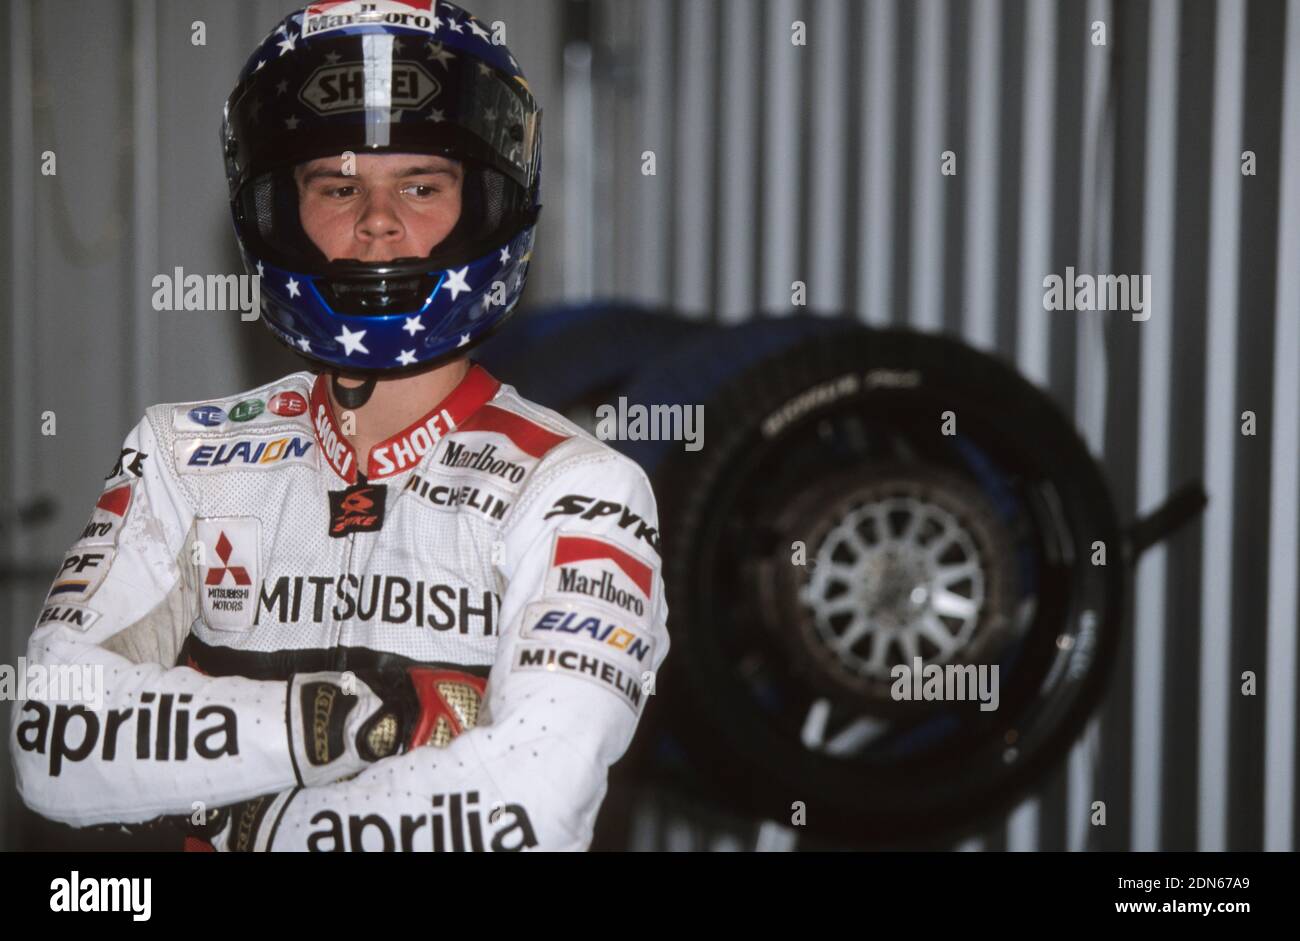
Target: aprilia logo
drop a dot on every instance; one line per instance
(73, 733)
(454, 824)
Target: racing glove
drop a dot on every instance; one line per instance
(370, 715)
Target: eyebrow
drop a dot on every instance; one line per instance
(336, 173)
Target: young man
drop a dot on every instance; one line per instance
(293, 590)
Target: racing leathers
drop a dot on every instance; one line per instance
(241, 582)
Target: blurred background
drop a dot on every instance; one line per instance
(778, 162)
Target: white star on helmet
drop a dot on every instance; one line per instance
(455, 282)
(351, 341)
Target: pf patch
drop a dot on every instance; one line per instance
(229, 570)
(82, 570)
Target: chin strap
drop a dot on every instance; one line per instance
(355, 397)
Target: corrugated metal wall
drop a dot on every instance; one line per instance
(778, 163)
(821, 163)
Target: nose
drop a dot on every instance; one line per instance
(379, 224)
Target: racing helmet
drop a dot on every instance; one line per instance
(384, 77)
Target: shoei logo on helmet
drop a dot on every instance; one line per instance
(339, 14)
(350, 86)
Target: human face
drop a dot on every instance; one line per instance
(393, 206)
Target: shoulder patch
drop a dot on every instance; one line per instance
(528, 436)
(278, 403)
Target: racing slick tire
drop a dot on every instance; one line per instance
(864, 497)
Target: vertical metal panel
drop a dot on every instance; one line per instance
(1154, 411)
(144, 202)
(579, 176)
(1279, 758)
(1034, 256)
(23, 155)
(782, 175)
(1036, 189)
(926, 262)
(828, 99)
(1221, 424)
(740, 157)
(1253, 515)
(1091, 378)
(982, 150)
(876, 239)
(656, 102)
(694, 130)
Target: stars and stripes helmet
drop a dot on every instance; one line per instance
(384, 77)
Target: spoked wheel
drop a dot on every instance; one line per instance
(900, 565)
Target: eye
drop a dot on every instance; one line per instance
(422, 190)
(341, 192)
